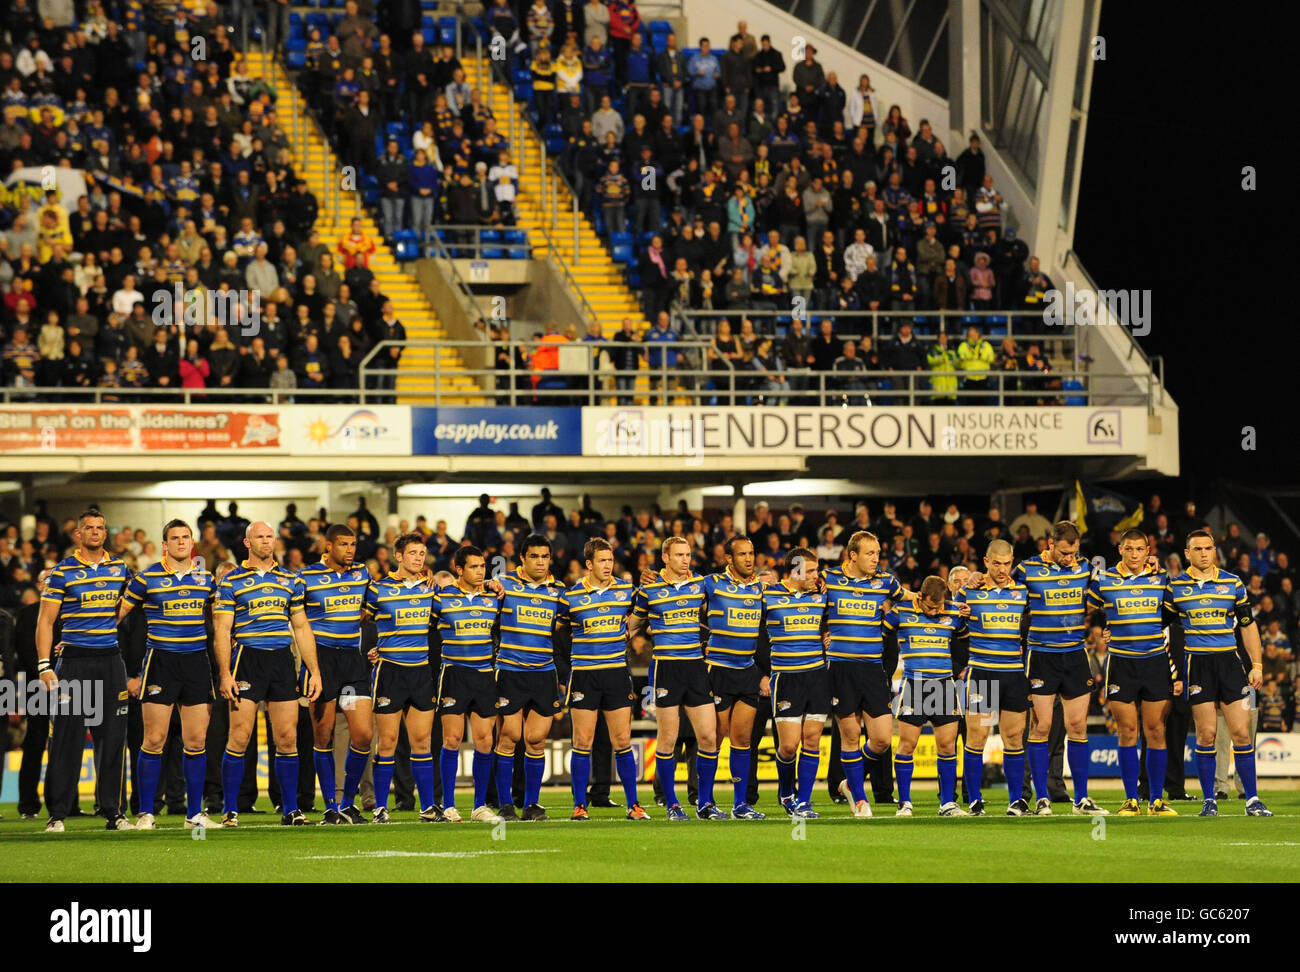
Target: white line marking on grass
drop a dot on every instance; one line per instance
(396, 853)
(1262, 843)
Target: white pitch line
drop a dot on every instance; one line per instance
(1262, 843)
(395, 853)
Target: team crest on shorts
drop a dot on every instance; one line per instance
(154, 689)
(1036, 683)
(975, 698)
(502, 702)
(782, 706)
(448, 702)
(383, 700)
(906, 710)
(1112, 689)
(1194, 690)
(243, 686)
(835, 700)
(660, 693)
(579, 696)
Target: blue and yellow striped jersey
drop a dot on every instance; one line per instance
(1206, 609)
(1134, 606)
(734, 615)
(87, 595)
(925, 641)
(175, 606)
(855, 607)
(261, 602)
(1057, 603)
(403, 612)
(794, 628)
(597, 620)
(994, 625)
(528, 613)
(334, 600)
(673, 614)
(465, 622)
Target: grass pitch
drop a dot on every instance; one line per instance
(1063, 847)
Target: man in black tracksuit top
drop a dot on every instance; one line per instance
(83, 592)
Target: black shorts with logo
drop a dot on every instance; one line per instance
(1131, 679)
(989, 692)
(176, 678)
(860, 687)
(529, 691)
(799, 694)
(605, 689)
(343, 671)
(1216, 677)
(265, 675)
(393, 687)
(462, 690)
(1063, 673)
(732, 685)
(682, 681)
(932, 700)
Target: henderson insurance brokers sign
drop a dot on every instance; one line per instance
(400, 430)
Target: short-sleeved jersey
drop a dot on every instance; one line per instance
(673, 614)
(175, 606)
(1057, 603)
(794, 628)
(87, 595)
(528, 613)
(1134, 606)
(261, 602)
(1206, 609)
(994, 625)
(855, 607)
(403, 612)
(734, 615)
(597, 620)
(465, 622)
(334, 600)
(925, 641)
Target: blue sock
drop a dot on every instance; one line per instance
(505, 776)
(422, 770)
(1013, 766)
(324, 760)
(354, 767)
(534, 767)
(903, 774)
(383, 779)
(448, 767)
(739, 761)
(625, 761)
(286, 771)
(1076, 751)
(666, 773)
(1128, 769)
(706, 769)
(948, 778)
(580, 774)
(195, 763)
(232, 774)
(853, 773)
(1244, 758)
(784, 776)
(1205, 769)
(1038, 760)
(973, 770)
(808, 763)
(148, 767)
(482, 770)
(1157, 765)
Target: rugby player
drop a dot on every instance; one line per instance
(926, 630)
(858, 594)
(1204, 600)
(1057, 663)
(177, 596)
(596, 611)
(527, 692)
(734, 617)
(82, 592)
(257, 616)
(795, 612)
(997, 688)
(334, 594)
(1131, 596)
(670, 613)
(466, 614)
(402, 682)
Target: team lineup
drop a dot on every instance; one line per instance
(519, 649)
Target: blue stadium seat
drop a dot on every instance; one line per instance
(620, 239)
(447, 35)
(297, 44)
(524, 92)
(407, 250)
(623, 253)
(521, 75)
(430, 35)
(516, 237)
(643, 240)
(295, 19)
(492, 253)
(1074, 385)
(634, 279)
(395, 128)
(428, 20)
(489, 236)
(318, 20)
(661, 27)
(297, 59)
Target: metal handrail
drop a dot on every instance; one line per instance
(42, 395)
(478, 229)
